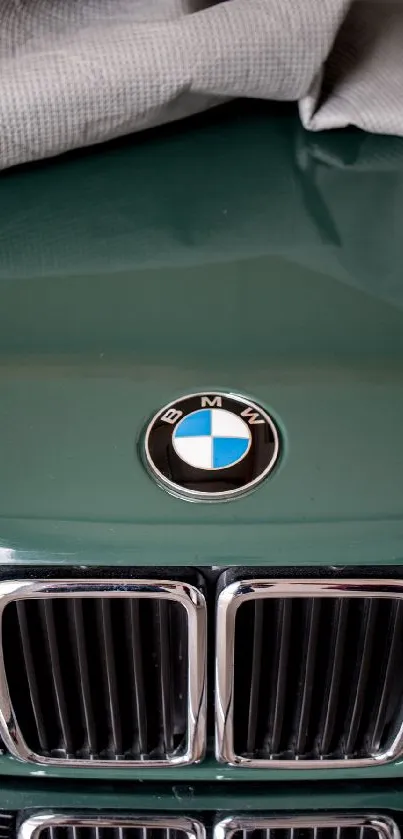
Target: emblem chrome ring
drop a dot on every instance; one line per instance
(211, 446)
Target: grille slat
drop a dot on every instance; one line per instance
(114, 748)
(77, 634)
(166, 696)
(255, 677)
(329, 680)
(361, 673)
(106, 678)
(65, 745)
(392, 664)
(135, 669)
(32, 678)
(306, 682)
(333, 676)
(281, 647)
(179, 642)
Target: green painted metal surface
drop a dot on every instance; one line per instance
(210, 798)
(239, 254)
(243, 255)
(208, 770)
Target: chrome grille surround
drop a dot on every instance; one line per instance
(35, 825)
(383, 826)
(194, 604)
(230, 599)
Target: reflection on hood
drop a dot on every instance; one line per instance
(245, 182)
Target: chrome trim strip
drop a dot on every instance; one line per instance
(385, 827)
(33, 826)
(228, 603)
(188, 596)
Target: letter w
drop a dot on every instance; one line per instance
(252, 417)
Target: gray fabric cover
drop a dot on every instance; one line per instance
(78, 72)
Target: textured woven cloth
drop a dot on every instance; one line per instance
(78, 72)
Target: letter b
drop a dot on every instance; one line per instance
(171, 415)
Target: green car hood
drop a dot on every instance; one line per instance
(233, 253)
(238, 254)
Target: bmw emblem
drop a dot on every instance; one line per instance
(211, 446)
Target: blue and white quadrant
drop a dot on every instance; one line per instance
(211, 438)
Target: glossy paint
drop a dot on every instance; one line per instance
(211, 798)
(237, 253)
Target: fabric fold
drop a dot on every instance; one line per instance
(73, 74)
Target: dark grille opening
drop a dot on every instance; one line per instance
(317, 678)
(70, 826)
(111, 833)
(362, 832)
(313, 826)
(98, 677)
(7, 825)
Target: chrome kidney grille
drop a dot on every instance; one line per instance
(54, 826)
(111, 673)
(98, 672)
(314, 826)
(309, 673)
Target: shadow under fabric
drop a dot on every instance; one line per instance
(75, 74)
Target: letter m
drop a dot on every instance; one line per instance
(207, 401)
